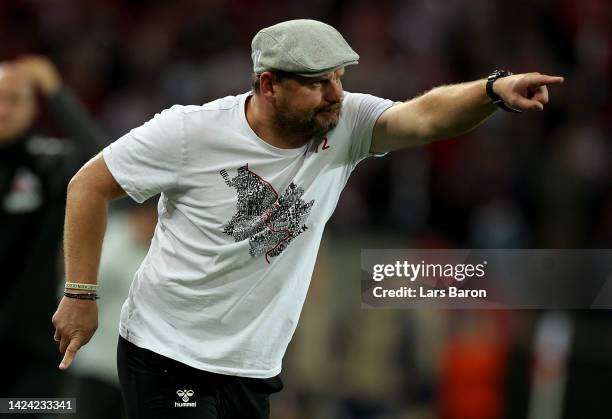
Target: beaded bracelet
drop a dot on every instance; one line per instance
(83, 296)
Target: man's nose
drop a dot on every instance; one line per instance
(334, 93)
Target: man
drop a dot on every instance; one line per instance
(248, 183)
(34, 173)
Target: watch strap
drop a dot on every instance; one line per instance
(495, 98)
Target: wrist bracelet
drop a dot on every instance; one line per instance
(84, 296)
(81, 286)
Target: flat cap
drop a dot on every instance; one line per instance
(306, 47)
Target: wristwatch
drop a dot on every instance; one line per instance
(498, 74)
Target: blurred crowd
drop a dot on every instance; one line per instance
(520, 181)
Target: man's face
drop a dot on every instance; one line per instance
(309, 106)
(17, 104)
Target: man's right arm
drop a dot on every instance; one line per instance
(144, 162)
(89, 193)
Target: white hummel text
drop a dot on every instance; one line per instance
(185, 395)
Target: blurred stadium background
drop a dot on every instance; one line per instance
(520, 181)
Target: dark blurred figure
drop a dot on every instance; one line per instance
(34, 173)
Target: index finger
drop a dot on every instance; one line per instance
(543, 79)
(70, 353)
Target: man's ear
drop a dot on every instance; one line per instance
(266, 84)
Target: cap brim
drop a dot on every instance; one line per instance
(329, 70)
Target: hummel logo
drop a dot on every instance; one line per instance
(185, 395)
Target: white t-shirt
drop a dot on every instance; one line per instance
(240, 223)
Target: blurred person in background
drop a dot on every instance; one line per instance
(34, 173)
(212, 308)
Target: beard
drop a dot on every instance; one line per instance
(310, 125)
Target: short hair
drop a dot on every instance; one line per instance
(278, 75)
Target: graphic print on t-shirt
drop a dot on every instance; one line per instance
(268, 220)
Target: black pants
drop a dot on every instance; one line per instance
(156, 387)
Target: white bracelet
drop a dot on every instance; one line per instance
(80, 286)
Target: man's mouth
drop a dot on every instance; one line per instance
(330, 109)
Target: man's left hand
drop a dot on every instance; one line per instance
(525, 92)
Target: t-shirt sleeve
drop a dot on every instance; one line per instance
(367, 109)
(148, 159)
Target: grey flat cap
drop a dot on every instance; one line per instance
(305, 47)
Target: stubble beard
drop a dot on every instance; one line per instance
(310, 126)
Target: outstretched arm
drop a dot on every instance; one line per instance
(448, 111)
